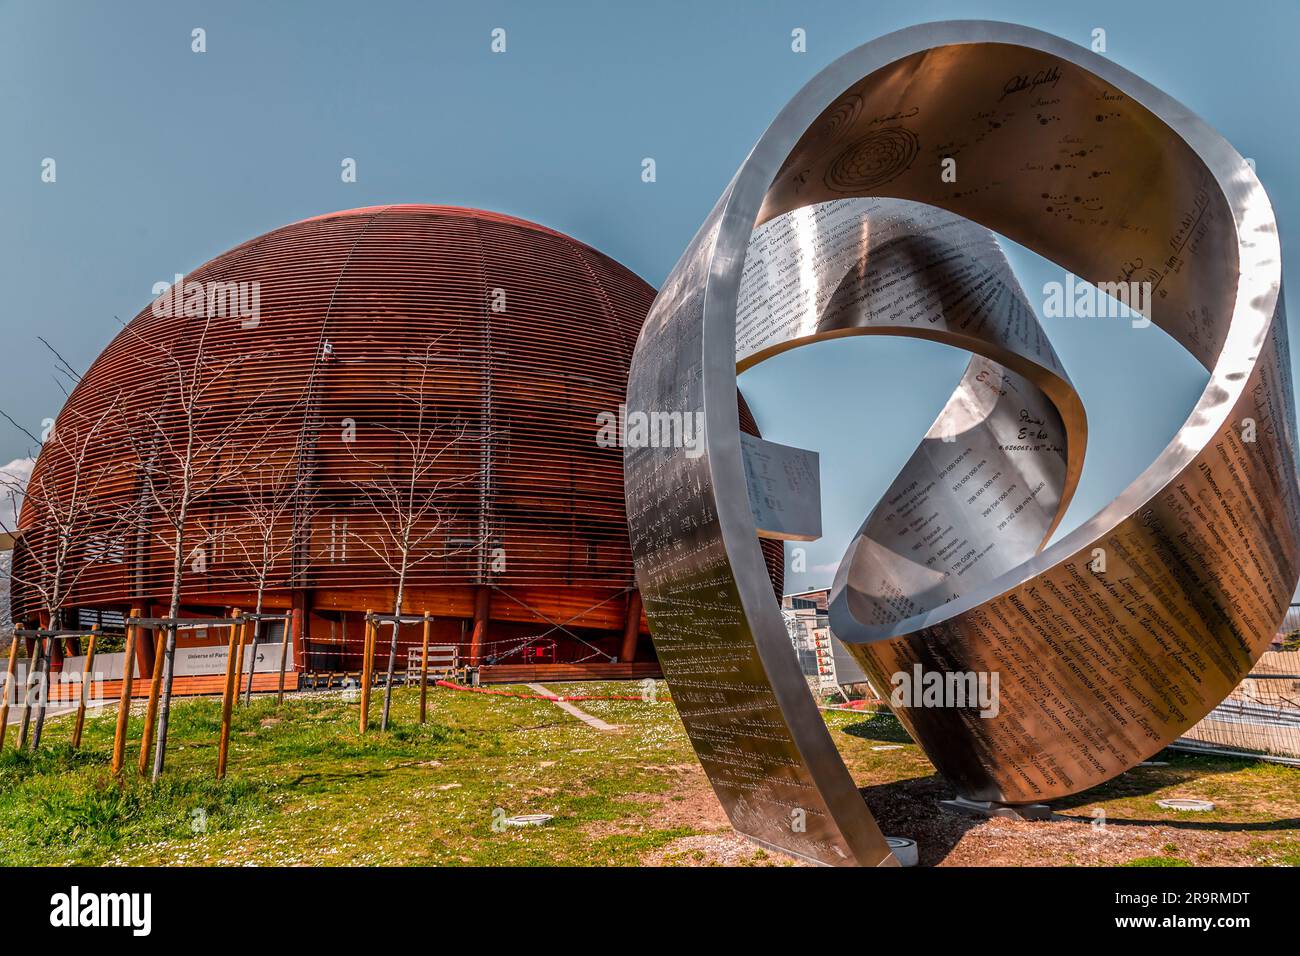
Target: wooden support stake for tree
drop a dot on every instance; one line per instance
(124, 701)
(151, 709)
(367, 649)
(228, 697)
(424, 667)
(9, 688)
(34, 670)
(85, 688)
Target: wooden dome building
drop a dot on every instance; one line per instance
(399, 393)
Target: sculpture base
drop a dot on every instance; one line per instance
(890, 860)
(991, 808)
(904, 850)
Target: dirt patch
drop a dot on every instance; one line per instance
(690, 804)
(1078, 841)
(945, 837)
(911, 808)
(715, 849)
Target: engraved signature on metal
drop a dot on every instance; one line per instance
(839, 222)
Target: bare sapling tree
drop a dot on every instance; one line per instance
(210, 424)
(412, 473)
(78, 521)
(261, 537)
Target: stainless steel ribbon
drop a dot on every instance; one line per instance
(842, 221)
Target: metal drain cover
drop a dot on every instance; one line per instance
(1193, 806)
(529, 820)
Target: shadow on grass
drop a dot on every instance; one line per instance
(911, 807)
(373, 773)
(1143, 781)
(327, 777)
(1220, 826)
(880, 726)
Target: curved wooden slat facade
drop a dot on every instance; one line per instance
(397, 354)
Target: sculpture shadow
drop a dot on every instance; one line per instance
(1183, 770)
(1141, 781)
(1210, 826)
(911, 808)
(881, 726)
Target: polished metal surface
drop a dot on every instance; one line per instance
(784, 486)
(840, 223)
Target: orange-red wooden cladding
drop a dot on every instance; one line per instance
(527, 335)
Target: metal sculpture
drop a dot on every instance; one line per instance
(1107, 643)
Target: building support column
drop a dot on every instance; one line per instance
(631, 628)
(145, 650)
(482, 607)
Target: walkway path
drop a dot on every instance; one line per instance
(568, 708)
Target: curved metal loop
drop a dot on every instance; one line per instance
(1077, 159)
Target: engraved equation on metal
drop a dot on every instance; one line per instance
(842, 222)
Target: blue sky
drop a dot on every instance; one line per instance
(166, 158)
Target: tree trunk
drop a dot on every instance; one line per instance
(165, 704)
(252, 656)
(42, 694)
(43, 686)
(32, 680)
(169, 659)
(392, 655)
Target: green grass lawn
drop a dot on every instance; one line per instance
(305, 788)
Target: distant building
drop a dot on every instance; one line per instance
(824, 660)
